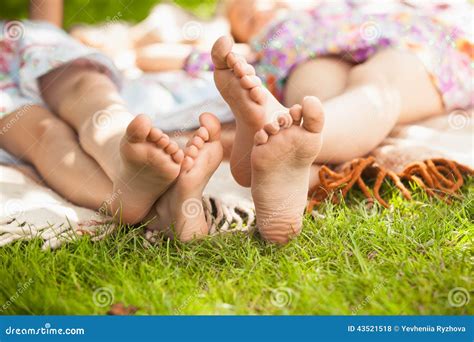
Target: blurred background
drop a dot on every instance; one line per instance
(97, 11)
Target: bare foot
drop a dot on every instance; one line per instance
(150, 164)
(252, 104)
(180, 209)
(281, 161)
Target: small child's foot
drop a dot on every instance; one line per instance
(281, 160)
(150, 164)
(180, 209)
(252, 104)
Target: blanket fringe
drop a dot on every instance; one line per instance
(54, 235)
(438, 177)
(220, 217)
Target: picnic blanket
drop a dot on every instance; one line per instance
(435, 153)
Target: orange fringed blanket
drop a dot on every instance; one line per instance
(439, 177)
(437, 154)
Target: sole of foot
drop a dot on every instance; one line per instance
(179, 212)
(281, 161)
(251, 104)
(150, 163)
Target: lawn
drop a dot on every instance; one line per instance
(350, 260)
(97, 11)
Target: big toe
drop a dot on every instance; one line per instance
(313, 115)
(211, 123)
(139, 128)
(220, 50)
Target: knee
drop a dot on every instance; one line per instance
(366, 74)
(53, 130)
(379, 89)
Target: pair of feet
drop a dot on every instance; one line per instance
(274, 146)
(162, 184)
(273, 151)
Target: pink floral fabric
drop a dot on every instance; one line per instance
(30, 49)
(439, 34)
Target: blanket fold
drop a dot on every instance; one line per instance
(436, 154)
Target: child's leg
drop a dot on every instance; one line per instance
(391, 87)
(139, 159)
(180, 208)
(324, 77)
(379, 94)
(40, 138)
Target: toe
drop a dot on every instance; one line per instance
(261, 137)
(191, 151)
(313, 116)
(295, 112)
(242, 69)
(285, 120)
(272, 128)
(196, 141)
(154, 135)
(212, 125)
(220, 51)
(249, 82)
(164, 141)
(233, 59)
(178, 156)
(187, 163)
(172, 147)
(138, 129)
(258, 95)
(202, 133)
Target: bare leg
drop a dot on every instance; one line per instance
(375, 99)
(51, 146)
(180, 209)
(139, 159)
(324, 77)
(251, 104)
(281, 163)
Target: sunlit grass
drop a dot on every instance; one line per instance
(354, 260)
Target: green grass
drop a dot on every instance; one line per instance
(354, 260)
(97, 11)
